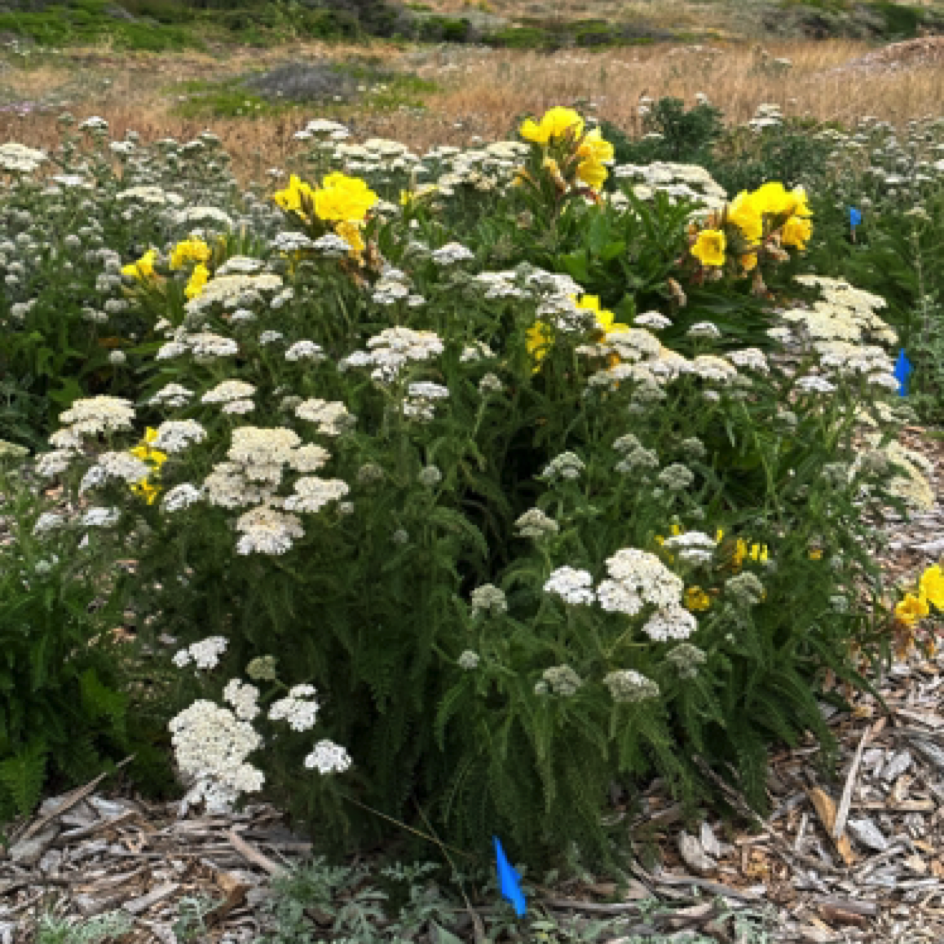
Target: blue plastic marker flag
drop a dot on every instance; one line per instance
(509, 880)
(855, 217)
(903, 369)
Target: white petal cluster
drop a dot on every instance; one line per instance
(180, 497)
(535, 524)
(422, 397)
(313, 493)
(172, 395)
(174, 436)
(243, 697)
(114, 465)
(452, 253)
(48, 521)
(227, 391)
(100, 518)
(266, 530)
(393, 349)
(692, 547)
(204, 654)
(299, 708)
(95, 415)
(211, 746)
(328, 758)
(638, 578)
(304, 351)
(573, 586)
(671, 622)
(630, 686)
(331, 417)
(567, 465)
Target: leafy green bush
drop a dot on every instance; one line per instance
(485, 533)
(63, 711)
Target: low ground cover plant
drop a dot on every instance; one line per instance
(466, 488)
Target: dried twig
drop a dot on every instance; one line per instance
(842, 814)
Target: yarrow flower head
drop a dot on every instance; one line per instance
(574, 587)
(328, 758)
(489, 599)
(630, 687)
(203, 655)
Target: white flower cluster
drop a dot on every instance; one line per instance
(299, 708)
(204, 654)
(421, 400)
(687, 182)
(243, 697)
(174, 436)
(211, 746)
(452, 253)
(114, 465)
(228, 391)
(692, 547)
(489, 599)
(304, 351)
(393, 349)
(331, 418)
(91, 416)
(565, 466)
(313, 493)
(535, 524)
(173, 395)
(265, 530)
(630, 686)
(328, 758)
(574, 587)
(20, 159)
(181, 497)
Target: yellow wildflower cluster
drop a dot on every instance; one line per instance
(765, 219)
(915, 607)
(576, 152)
(198, 280)
(340, 200)
(187, 251)
(143, 269)
(145, 488)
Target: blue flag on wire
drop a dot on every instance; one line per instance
(855, 217)
(903, 369)
(509, 880)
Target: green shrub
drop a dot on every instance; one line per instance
(63, 711)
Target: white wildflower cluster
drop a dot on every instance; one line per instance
(205, 346)
(565, 466)
(148, 195)
(468, 660)
(489, 599)
(299, 708)
(393, 349)
(173, 395)
(240, 265)
(92, 416)
(20, 159)
(243, 697)
(330, 417)
(332, 246)
(266, 530)
(768, 114)
(573, 586)
(749, 358)
(687, 182)
(313, 493)
(291, 242)
(328, 758)
(639, 579)
(231, 292)
(906, 473)
(228, 391)
(636, 459)
(421, 400)
(181, 497)
(48, 521)
(630, 687)
(174, 436)
(535, 524)
(203, 655)
(692, 547)
(452, 253)
(560, 680)
(211, 746)
(100, 518)
(652, 320)
(687, 659)
(120, 466)
(304, 351)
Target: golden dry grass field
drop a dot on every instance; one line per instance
(476, 92)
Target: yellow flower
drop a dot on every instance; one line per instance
(146, 452)
(294, 195)
(189, 250)
(146, 490)
(696, 599)
(592, 173)
(816, 553)
(594, 148)
(932, 586)
(796, 232)
(709, 247)
(198, 280)
(351, 234)
(743, 211)
(143, 269)
(912, 609)
(344, 199)
(759, 553)
(604, 318)
(775, 199)
(748, 261)
(740, 552)
(555, 124)
(538, 341)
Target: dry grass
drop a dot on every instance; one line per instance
(481, 92)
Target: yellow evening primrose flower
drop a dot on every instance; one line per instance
(198, 280)
(538, 341)
(696, 599)
(555, 124)
(796, 232)
(744, 213)
(146, 452)
(143, 269)
(748, 261)
(740, 552)
(594, 148)
(592, 173)
(932, 586)
(816, 554)
(351, 234)
(759, 553)
(912, 609)
(290, 199)
(189, 250)
(146, 490)
(604, 317)
(709, 247)
(344, 199)
(775, 199)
